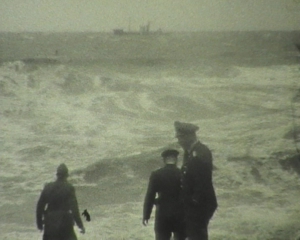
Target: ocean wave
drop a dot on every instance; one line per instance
(41, 60)
(186, 107)
(76, 83)
(133, 166)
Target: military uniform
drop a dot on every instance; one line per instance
(56, 211)
(199, 196)
(169, 215)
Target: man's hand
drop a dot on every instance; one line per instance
(82, 230)
(145, 222)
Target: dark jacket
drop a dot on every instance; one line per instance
(57, 209)
(165, 182)
(198, 191)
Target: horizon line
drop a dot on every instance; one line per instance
(170, 31)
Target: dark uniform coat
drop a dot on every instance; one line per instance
(57, 209)
(169, 215)
(198, 192)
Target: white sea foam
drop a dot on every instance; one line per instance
(51, 124)
(82, 113)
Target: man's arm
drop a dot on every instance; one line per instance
(75, 210)
(203, 190)
(40, 208)
(201, 174)
(149, 199)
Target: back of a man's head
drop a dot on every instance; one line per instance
(62, 171)
(170, 156)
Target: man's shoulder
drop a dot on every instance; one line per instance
(201, 151)
(49, 185)
(66, 185)
(58, 184)
(164, 170)
(157, 171)
(200, 147)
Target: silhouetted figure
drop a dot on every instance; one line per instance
(199, 196)
(169, 215)
(57, 209)
(86, 214)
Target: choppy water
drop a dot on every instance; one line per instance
(79, 98)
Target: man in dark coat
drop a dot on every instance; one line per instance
(198, 192)
(57, 209)
(166, 183)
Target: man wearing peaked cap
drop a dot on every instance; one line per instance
(199, 196)
(185, 128)
(164, 184)
(57, 208)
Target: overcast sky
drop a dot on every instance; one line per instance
(169, 15)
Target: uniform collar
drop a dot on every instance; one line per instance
(193, 146)
(170, 165)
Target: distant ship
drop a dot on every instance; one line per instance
(144, 30)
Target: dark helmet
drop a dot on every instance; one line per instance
(62, 170)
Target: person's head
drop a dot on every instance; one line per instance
(185, 134)
(170, 156)
(62, 171)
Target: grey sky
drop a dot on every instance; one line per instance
(174, 15)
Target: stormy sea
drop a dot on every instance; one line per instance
(105, 105)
